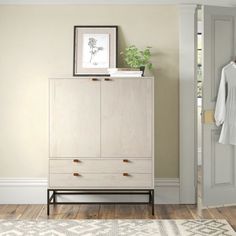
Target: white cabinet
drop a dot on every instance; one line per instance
(101, 133)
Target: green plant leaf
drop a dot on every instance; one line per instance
(136, 58)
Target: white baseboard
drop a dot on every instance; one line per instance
(34, 191)
(167, 191)
(23, 191)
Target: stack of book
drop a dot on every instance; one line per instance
(124, 72)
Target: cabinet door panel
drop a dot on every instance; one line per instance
(126, 117)
(74, 118)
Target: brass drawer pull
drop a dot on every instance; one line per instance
(126, 160)
(95, 79)
(126, 174)
(108, 79)
(76, 160)
(76, 174)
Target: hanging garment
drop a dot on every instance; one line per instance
(225, 111)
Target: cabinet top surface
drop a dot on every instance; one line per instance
(102, 77)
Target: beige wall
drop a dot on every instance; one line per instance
(36, 42)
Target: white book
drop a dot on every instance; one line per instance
(125, 75)
(111, 70)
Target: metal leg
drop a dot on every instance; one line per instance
(150, 197)
(48, 195)
(54, 196)
(152, 202)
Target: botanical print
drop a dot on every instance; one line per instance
(95, 51)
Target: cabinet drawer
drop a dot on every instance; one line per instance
(101, 165)
(96, 181)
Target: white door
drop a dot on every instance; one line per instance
(74, 117)
(126, 117)
(219, 161)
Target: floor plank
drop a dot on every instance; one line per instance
(161, 212)
(118, 211)
(143, 212)
(88, 211)
(64, 211)
(42, 214)
(12, 211)
(31, 212)
(194, 211)
(124, 211)
(106, 211)
(228, 213)
(206, 214)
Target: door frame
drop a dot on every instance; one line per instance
(188, 103)
(188, 153)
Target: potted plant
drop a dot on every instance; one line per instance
(137, 58)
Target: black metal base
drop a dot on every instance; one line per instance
(51, 198)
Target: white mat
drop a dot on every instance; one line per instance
(117, 227)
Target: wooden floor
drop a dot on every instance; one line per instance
(112, 211)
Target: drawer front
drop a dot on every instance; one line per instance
(101, 165)
(96, 181)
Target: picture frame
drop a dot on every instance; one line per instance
(95, 49)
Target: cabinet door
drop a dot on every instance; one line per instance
(126, 117)
(74, 118)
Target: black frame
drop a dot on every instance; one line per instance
(74, 48)
(51, 198)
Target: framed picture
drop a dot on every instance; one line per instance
(95, 50)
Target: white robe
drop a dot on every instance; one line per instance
(225, 110)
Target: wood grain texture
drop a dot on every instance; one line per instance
(114, 211)
(126, 117)
(74, 118)
(100, 123)
(12, 211)
(124, 211)
(96, 181)
(88, 211)
(107, 211)
(106, 165)
(31, 212)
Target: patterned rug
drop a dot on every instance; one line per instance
(117, 227)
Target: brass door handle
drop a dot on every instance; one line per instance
(208, 117)
(76, 174)
(108, 79)
(95, 79)
(125, 160)
(126, 174)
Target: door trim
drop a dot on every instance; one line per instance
(187, 103)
